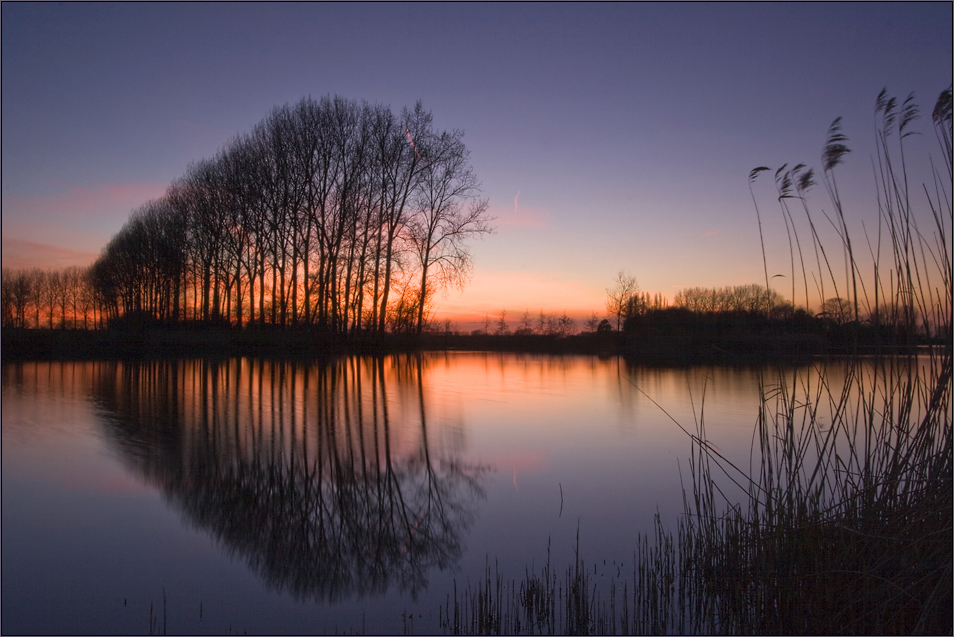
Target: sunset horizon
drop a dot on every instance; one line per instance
(586, 173)
(477, 318)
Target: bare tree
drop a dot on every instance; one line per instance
(737, 298)
(398, 167)
(619, 295)
(72, 283)
(502, 328)
(544, 322)
(526, 324)
(9, 313)
(837, 310)
(319, 216)
(447, 213)
(51, 293)
(17, 292)
(565, 325)
(593, 322)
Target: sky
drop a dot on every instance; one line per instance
(606, 137)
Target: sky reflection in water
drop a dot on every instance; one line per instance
(286, 497)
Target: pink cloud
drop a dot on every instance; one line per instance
(18, 253)
(68, 227)
(80, 200)
(712, 233)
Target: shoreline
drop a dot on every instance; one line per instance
(678, 348)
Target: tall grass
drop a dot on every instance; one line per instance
(846, 522)
(847, 525)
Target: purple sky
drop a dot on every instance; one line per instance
(627, 130)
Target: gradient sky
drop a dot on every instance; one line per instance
(607, 137)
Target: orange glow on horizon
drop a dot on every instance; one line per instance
(517, 292)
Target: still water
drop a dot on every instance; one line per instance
(279, 497)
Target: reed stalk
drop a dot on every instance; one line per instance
(847, 522)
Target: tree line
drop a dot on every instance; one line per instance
(330, 213)
(68, 299)
(734, 298)
(49, 298)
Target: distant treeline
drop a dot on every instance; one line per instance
(749, 323)
(330, 213)
(50, 299)
(70, 299)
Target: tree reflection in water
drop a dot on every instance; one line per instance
(299, 469)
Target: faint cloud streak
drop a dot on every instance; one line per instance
(80, 200)
(20, 253)
(68, 228)
(532, 218)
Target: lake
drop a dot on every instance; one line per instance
(286, 497)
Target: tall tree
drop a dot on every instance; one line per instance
(618, 297)
(399, 167)
(448, 211)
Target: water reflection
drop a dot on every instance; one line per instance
(326, 478)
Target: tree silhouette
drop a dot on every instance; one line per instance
(502, 328)
(625, 287)
(322, 215)
(327, 503)
(837, 310)
(447, 213)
